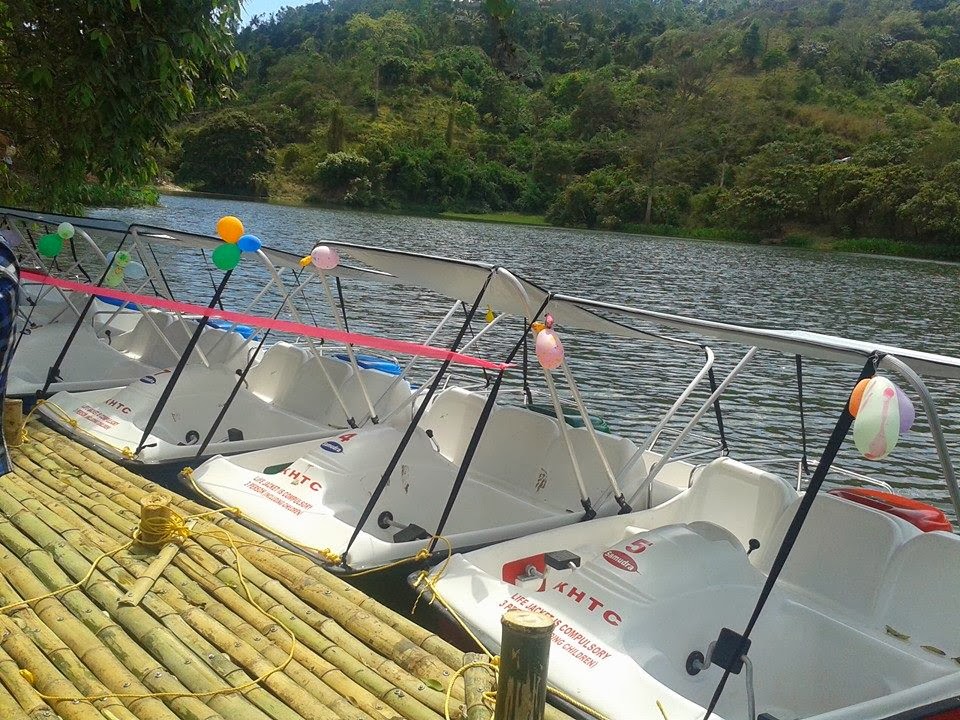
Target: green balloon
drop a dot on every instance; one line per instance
(50, 245)
(226, 256)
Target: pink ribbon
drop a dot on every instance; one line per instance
(385, 344)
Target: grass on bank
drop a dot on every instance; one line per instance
(497, 217)
(867, 246)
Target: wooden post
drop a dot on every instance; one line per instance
(12, 421)
(153, 508)
(524, 654)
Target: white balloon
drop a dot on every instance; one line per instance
(135, 271)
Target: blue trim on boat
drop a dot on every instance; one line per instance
(372, 362)
(245, 331)
(118, 303)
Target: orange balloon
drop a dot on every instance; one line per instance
(229, 228)
(857, 395)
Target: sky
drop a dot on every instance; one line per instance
(259, 7)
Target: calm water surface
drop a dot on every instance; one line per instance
(897, 302)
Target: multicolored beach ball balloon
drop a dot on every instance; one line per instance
(548, 346)
(882, 413)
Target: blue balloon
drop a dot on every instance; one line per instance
(249, 243)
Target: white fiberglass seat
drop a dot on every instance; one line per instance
(451, 418)
(740, 498)
(270, 377)
(559, 468)
(840, 555)
(931, 561)
(308, 393)
(145, 343)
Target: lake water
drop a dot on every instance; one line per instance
(892, 301)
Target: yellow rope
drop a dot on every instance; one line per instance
(124, 451)
(74, 586)
(491, 664)
(172, 529)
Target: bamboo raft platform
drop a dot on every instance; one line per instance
(230, 625)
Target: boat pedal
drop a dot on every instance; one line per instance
(561, 559)
(411, 532)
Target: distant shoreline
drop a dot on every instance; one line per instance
(871, 247)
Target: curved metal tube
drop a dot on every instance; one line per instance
(949, 476)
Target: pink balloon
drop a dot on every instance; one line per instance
(549, 349)
(324, 258)
(907, 412)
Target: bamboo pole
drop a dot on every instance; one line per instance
(354, 658)
(48, 679)
(354, 690)
(28, 701)
(121, 480)
(153, 571)
(337, 669)
(94, 649)
(524, 656)
(68, 664)
(401, 695)
(477, 681)
(174, 656)
(399, 699)
(12, 422)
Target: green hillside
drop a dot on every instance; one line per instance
(827, 117)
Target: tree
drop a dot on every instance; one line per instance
(380, 40)
(226, 155)
(751, 45)
(89, 88)
(946, 82)
(907, 59)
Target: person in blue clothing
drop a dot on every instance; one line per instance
(9, 302)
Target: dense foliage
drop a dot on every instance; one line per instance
(760, 116)
(89, 87)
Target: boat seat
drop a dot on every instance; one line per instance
(308, 392)
(671, 480)
(279, 365)
(743, 499)
(144, 343)
(223, 347)
(513, 449)
(560, 474)
(452, 417)
(218, 346)
(376, 384)
(919, 589)
(840, 554)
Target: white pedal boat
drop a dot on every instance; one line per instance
(289, 395)
(335, 500)
(520, 481)
(111, 349)
(861, 623)
(118, 343)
